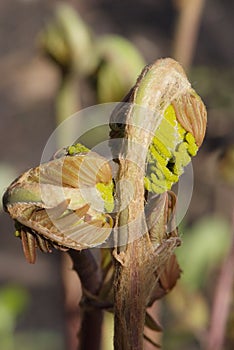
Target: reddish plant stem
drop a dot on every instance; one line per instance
(91, 329)
(129, 304)
(85, 263)
(222, 302)
(186, 31)
(134, 266)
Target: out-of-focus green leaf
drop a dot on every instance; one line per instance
(189, 316)
(68, 40)
(13, 301)
(204, 246)
(38, 340)
(121, 63)
(190, 309)
(14, 298)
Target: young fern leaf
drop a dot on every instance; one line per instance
(64, 203)
(160, 127)
(179, 122)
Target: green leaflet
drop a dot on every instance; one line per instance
(76, 149)
(106, 192)
(170, 151)
(105, 188)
